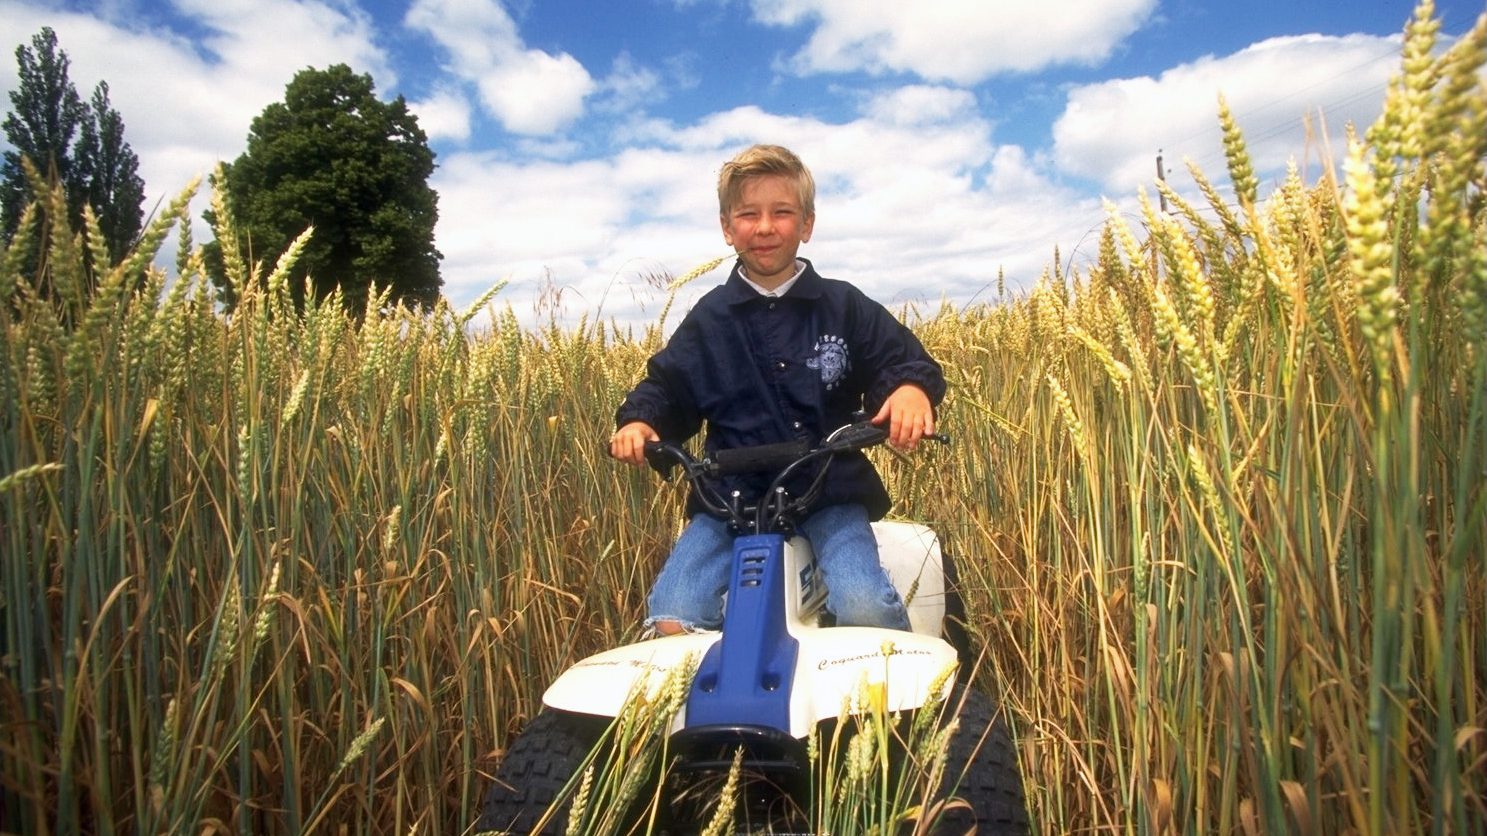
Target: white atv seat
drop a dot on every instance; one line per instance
(910, 553)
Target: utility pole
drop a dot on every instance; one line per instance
(1162, 176)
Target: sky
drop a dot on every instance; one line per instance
(578, 141)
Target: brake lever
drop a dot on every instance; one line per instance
(857, 436)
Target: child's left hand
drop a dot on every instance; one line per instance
(909, 414)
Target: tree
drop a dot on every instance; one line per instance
(99, 169)
(46, 115)
(334, 157)
(109, 170)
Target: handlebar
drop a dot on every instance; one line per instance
(759, 458)
(775, 507)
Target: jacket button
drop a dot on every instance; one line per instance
(781, 364)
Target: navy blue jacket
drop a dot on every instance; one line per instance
(761, 370)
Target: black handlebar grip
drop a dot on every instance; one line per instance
(659, 459)
(760, 457)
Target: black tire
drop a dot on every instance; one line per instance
(981, 769)
(536, 767)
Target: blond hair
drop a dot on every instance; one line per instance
(761, 160)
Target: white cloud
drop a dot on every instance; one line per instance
(276, 38)
(530, 91)
(598, 229)
(922, 105)
(1110, 132)
(963, 41)
(630, 86)
(533, 92)
(471, 30)
(444, 115)
(526, 211)
(915, 203)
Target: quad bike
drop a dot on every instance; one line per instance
(777, 670)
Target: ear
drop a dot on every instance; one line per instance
(727, 236)
(805, 229)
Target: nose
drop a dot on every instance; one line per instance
(765, 225)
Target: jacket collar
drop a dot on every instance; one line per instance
(737, 291)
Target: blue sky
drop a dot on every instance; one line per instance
(578, 142)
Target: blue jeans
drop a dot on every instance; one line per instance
(690, 588)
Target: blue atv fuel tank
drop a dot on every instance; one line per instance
(745, 677)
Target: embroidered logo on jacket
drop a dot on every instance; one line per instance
(831, 358)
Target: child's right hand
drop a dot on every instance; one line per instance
(628, 442)
(909, 415)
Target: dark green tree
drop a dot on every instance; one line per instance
(333, 156)
(109, 175)
(45, 115)
(98, 169)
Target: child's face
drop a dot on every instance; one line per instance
(766, 227)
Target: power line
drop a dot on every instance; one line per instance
(1278, 101)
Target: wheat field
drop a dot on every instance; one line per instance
(1219, 498)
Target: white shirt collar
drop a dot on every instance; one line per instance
(779, 291)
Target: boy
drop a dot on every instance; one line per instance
(775, 354)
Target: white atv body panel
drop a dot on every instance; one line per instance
(835, 666)
(910, 553)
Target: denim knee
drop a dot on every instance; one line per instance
(690, 587)
(858, 591)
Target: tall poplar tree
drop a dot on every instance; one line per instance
(109, 175)
(75, 143)
(45, 115)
